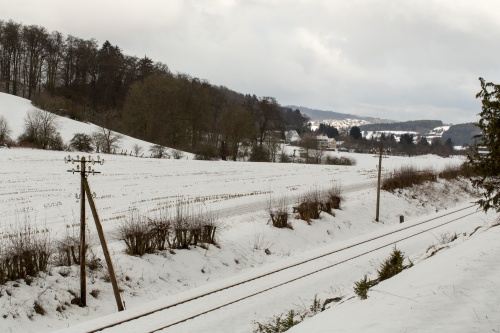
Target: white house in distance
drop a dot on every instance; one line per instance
(292, 136)
(324, 142)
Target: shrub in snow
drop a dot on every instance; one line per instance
(67, 251)
(260, 154)
(392, 265)
(309, 207)
(456, 171)
(186, 227)
(192, 226)
(95, 293)
(161, 230)
(316, 201)
(288, 319)
(332, 199)
(361, 287)
(342, 160)
(281, 323)
(137, 235)
(177, 154)
(278, 212)
(39, 308)
(25, 252)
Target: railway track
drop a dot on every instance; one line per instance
(224, 294)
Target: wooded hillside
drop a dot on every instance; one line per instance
(86, 81)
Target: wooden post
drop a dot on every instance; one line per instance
(100, 232)
(378, 184)
(83, 280)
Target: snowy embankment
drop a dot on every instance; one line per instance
(36, 187)
(456, 290)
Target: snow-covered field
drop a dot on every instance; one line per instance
(36, 186)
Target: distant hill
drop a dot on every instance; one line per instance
(318, 115)
(461, 134)
(420, 126)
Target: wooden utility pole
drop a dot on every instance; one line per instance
(83, 248)
(378, 184)
(85, 190)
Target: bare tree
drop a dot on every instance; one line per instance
(308, 144)
(106, 140)
(137, 149)
(272, 144)
(5, 130)
(40, 128)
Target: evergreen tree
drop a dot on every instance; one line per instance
(355, 132)
(487, 166)
(330, 131)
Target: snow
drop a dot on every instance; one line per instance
(454, 291)
(35, 185)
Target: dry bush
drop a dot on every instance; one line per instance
(332, 199)
(136, 233)
(185, 227)
(455, 171)
(342, 160)
(95, 293)
(407, 176)
(309, 207)
(24, 252)
(317, 200)
(278, 211)
(38, 307)
(160, 230)
(182, 226)
(92, 261)
(177, 154)
(193, 225)
(209, 228)
(67, 251)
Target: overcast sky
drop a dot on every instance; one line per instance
(394, 59)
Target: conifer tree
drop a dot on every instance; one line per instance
(487, 166)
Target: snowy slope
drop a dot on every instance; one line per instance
(14, 110)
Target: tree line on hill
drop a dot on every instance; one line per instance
(76, 77)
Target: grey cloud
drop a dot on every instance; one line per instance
(392, 59)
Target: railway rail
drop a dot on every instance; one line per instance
(118, 322)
